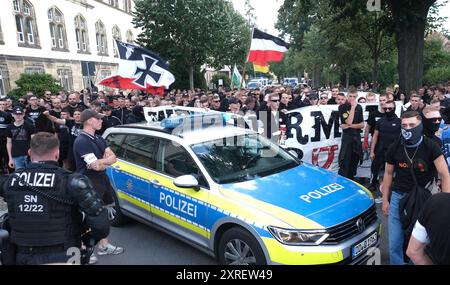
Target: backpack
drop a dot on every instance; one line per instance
(411, 205)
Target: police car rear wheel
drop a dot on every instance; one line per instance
(115, 215)
(239, 247)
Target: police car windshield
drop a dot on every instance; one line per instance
(242, 158)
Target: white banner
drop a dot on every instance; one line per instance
(316, 131)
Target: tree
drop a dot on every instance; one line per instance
(409, 19)
(37, 83)
(193, 32)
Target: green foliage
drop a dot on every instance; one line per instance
(224, 77)
(38, 83)
(437, 75)
(435, 55)
(194, 32)
(436, 62)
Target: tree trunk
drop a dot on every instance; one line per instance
(375, 58)
(347, 78)
(316, 76)
(410, 19)
(191, 77)
(410, 44)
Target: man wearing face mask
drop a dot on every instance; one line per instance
(387, 130)
(426, 158)
(431, 123)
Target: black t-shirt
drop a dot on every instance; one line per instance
(435, 217)
(374, 116)
(71, 109)
(75, 130)
(5, 120)
(86, 144)
(344, 112)
(21, 137)
(40, 122)
(423, 162)
(389, 131)
(332, 101)
(109, 122)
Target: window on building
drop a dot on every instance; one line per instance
(4, 80)
(25, 23)
(16, 5)
(127, 6)
(100, 34)
(81, 34)
(57, 29)
(130, 38)
(34, 69)
(114, 3)
(65, 78)
(116, 36)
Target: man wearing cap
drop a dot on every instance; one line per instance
(92, 157)
(18, 137)
(109, 120)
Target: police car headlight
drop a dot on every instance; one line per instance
(299, 237)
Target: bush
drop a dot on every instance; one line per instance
(37, 83)
(437, 75)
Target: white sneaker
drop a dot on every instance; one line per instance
(109, 249)
(93, 259)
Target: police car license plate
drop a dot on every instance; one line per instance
(361, 247)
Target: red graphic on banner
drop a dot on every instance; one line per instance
(330, 150)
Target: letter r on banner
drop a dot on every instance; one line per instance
(374, 5)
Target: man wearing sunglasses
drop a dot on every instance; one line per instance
(431, 123)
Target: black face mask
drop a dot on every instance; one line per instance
(430, 126)
(390, 114)
(412, 137)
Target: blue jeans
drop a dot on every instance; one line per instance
(20, 162)
(395, 230)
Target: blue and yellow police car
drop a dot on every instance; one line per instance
(237, 195)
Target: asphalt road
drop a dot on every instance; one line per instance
(145, 245)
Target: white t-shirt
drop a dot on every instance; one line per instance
(420, 233)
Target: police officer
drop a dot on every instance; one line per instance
(46, 206)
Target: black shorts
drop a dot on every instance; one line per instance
(102, 187)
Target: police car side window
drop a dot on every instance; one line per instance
(140, 150)
(175, 161)
(115, 143)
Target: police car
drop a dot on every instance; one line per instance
(235, 194)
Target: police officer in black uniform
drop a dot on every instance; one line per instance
(50, 209)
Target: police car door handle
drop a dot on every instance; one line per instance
(156, 182)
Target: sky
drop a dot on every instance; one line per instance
(266, 12)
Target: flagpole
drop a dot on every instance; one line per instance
(248, 55)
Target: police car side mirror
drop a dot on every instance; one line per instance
(186, 181)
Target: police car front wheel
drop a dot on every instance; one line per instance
(239, 247)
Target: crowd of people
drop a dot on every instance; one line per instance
(397, 144)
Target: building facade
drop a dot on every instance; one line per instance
(73, 40)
